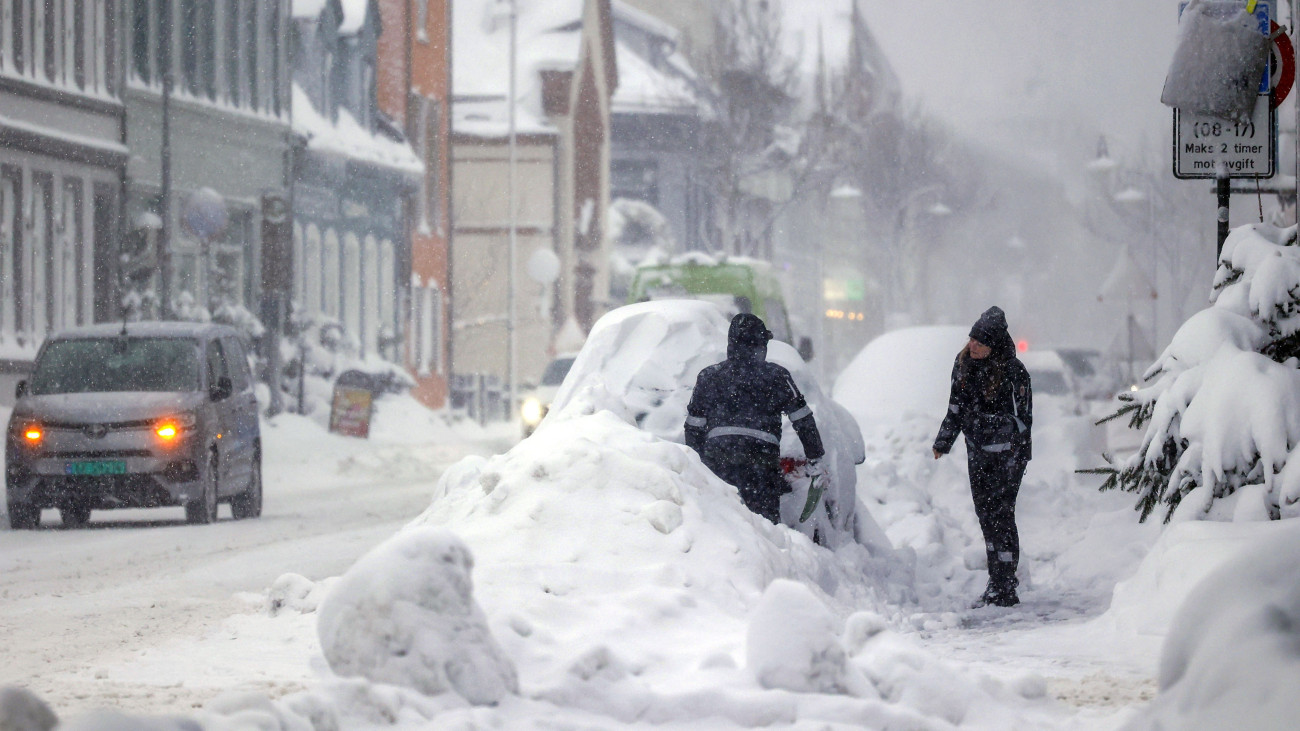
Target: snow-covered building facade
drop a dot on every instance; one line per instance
(658, 112)
(228, 116)
(353, 172)
(414, 84)
(62, 158)
(566, 75)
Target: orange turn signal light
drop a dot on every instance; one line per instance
(167, 431)
(33, 434)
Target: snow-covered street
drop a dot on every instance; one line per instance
(625, 584)
(98, 617)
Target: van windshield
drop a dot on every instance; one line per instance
(556, 371)
(101, 365)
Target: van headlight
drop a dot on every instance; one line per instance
(169, 429)
(532, 411)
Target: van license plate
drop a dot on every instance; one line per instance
(97, 468)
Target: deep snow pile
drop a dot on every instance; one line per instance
(628, 582)
(405, 615)
(640, 363)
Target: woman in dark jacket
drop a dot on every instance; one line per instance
(991, 403)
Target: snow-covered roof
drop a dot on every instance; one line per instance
(645, 21)
(549, 37)
(354, 16)
(348, 138)
(354, 13)
(643, 88)
(148, 329)
(307, 8)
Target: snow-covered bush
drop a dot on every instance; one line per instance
(316, 350)
(405, 615)
(1222, 410)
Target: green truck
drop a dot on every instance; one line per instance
(735, 285)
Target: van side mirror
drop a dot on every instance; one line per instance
(805, 348)
(20, 390)
(222, 390)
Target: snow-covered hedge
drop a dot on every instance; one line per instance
(1222, 411)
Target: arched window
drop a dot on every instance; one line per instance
(311, 272)
(430, 329)
(299, 265)
(387, 291)
(352, 286)
(330, 292)
(370, 296)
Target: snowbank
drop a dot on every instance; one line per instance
(631, 585)
(405, 615)
(1232, 657)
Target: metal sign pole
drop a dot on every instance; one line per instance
(1224, 193)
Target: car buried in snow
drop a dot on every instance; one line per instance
(640, 361)
(135, 416)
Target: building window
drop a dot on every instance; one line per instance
(327, 87)
(190, 45)
(163, 40)
(371, 295)
(101, 47)
(422, 20)
(635, 179)
(233, 50)
(352, 286)
(366, 95)
(67, 258)
(69, 44)
(387, 294)
(251, 39)
(104, 253)
(17, 37)
(430, 330)
(40, 254)
(11, 252)
(330, 283)
(273, 54)
(424, 136)
(311, 271)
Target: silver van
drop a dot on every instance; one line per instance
(135, 416)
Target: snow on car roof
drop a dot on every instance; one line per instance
(1042, 360)
(148, 329)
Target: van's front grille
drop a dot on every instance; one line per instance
(111, 425)
(101, 453)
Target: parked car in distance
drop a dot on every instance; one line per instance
(1097, 378)
(137, 415)
(535, 402)
(1051, 378)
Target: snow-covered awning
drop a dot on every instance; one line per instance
(348, 138)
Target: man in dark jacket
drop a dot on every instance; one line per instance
(991, 402)
(734, 418)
